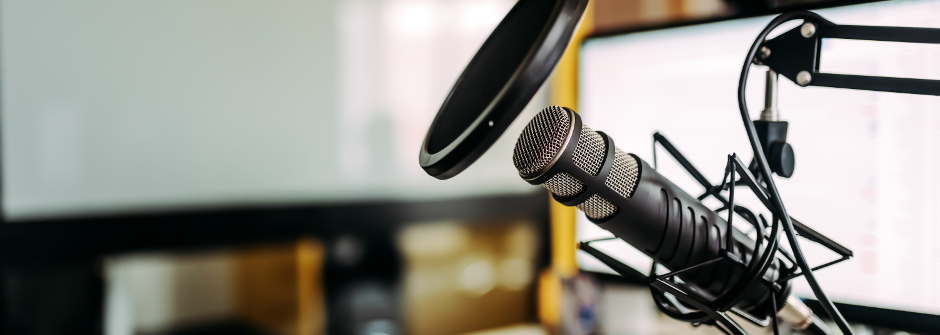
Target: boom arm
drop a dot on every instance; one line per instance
(795, 54)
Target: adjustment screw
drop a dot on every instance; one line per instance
(764, 52)
(803, 78)
(808, 29)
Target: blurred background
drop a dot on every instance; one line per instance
(250, 167)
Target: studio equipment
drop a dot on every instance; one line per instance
(717, 264)
(716, 270)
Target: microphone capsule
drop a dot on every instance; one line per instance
(550, 133)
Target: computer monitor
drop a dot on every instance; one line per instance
(867, 163)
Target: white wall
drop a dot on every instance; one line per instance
(114, 105)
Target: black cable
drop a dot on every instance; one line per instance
(764, 168)
(773, 301)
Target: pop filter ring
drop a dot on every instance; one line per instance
(487, 96)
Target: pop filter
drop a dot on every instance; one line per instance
(498, 83)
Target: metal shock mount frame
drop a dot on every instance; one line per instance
(686, 303)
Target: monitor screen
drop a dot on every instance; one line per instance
(867, 163)
(112, 107)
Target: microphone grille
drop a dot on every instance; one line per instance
(622, 179)
(623, 174)
(541, 139)
(597, 207)
(563, 185)
(590, 152)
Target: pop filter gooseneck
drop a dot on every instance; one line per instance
(498, 83)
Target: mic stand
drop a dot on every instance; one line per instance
(795, 55)
(772, 134)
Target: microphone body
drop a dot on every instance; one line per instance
(624, 195)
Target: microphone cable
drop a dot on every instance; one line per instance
(780, 210)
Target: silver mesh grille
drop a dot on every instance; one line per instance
(564, 185)
(541, 140)
(623, 174)
(589, 154)
(596, 207)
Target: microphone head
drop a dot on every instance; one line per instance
(544, 139)
(548, 134)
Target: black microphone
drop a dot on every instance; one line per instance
(627, 197)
